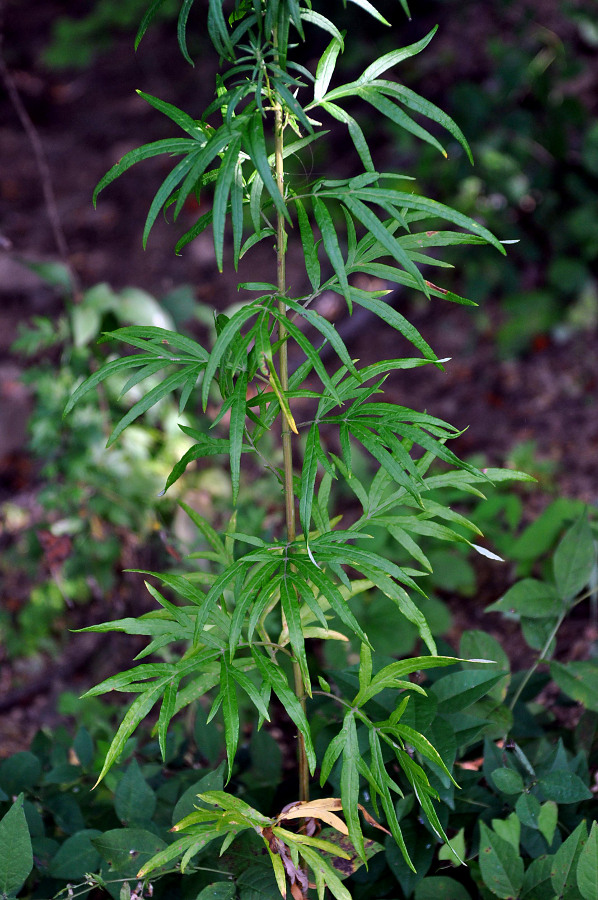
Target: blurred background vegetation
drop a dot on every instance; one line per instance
(521, 79)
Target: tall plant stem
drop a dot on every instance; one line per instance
(287, 446)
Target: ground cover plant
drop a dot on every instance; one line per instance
(247, 637)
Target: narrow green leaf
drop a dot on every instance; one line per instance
(311, 353)
(332, 594)
(423, 746)
(182, 29)
(315, 18)
(199, 161)
(175, 146)
(276, 678)
(262, 576)
(230, 710)
(379, 770)
(350, 782)
(308, 478)
(292, 617)
(252, 692)
(373, 224)
(330, 241)
(151, 398)
(255, 145)
(217, 28)
(226, 336)
(224, 182)
(425, 108)
(325, 68)
(328, 330)
(393, 318)
(147, 20)
(369, 8)
(237, 430)
(365, 667)
(395, 57)
(375, 446)
(167, 711)
(113, 367)
(310, 253)
(165, 190)
(205, 528)
(355, 132)
(200, 226)
(137, 711)
(324, 874)
(383, 105)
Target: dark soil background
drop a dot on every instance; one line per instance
(86, 120)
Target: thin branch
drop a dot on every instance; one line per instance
(42, 166)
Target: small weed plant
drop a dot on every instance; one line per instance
(243, 640)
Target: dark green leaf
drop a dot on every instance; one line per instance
(16, 856)
(564, 866)
(134, 800)
(579, 680)
(587, 866)
(460, 689)
(574, 559)
(219, 890)
(563, 787)
(292, 616)
(19, 772)
(530, 598)
(440, 887)
(76, 856)
(500, 864)
(126, 850)
(255, 145)
(182, 28)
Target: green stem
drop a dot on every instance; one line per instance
(287, 447)
(542, 657)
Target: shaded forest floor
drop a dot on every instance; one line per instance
(86, 121)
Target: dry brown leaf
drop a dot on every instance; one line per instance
(371, 820)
